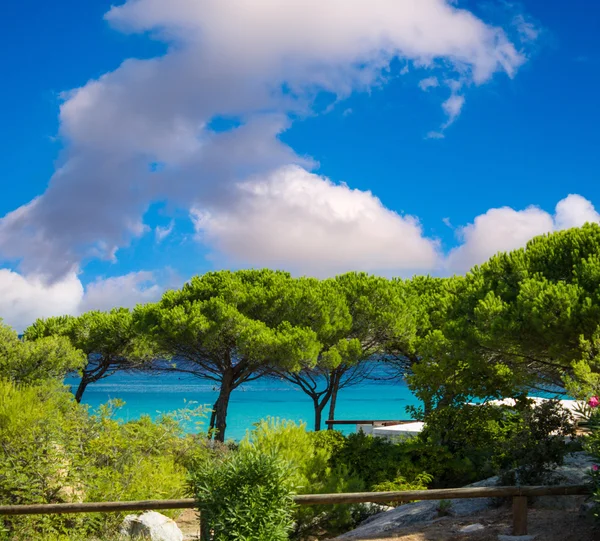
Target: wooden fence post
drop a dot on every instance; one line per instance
(519, 515)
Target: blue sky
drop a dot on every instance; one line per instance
(144, 177)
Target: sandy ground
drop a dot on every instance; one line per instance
(189, 525)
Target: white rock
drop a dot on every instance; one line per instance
(151, 525)
(472, 528)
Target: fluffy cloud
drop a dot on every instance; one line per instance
(297, 220)
(23, 299)
(128, 290)
(259, 62)
(452, 107)
(574, 211)
(429, 82)
(504, 229)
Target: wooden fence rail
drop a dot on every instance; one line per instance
(519, 495)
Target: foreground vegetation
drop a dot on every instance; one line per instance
(522, 321)
(53, 450)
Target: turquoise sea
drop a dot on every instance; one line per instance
(154, 394)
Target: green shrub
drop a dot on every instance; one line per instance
(400, 483)
(444, 507)
(333, 519)
(53, 451)
(36, 455)
(539, 445)
(592, 446)
(331, 441)
(373, 459)
(470, 437)
(247, 496)
(307, 462)
(311, 470)
(478, 441)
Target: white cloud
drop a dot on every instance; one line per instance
(429, 82)
(262, 62)
(161, 233)
(23, 299)
(527, 29)
(125, 291)
(303, 222)
(574, 211)
(452, 107)
(505, 229)
(498, 230)
(435, 135)
(298, 33)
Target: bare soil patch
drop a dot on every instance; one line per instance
(189, 524)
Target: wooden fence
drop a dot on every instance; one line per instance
(519, 497)
(384, 422)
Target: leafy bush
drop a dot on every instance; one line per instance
(333, 519)
(35, 455)
(444, 507)
(461, 444)
(477, 441)
(308, 462)
(400, 483)
(469, 441)
(53, 451)
(539, 445)
(247, 496)
(329, 440)
(311, 470)
(373, 459)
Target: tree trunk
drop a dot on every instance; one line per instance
(211, 427)
(91, 376)
(81, 388)
(318, 413)
(334, 392)
(222, 404)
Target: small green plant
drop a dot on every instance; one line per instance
(247, 496)
(331, 441)
(400, 483)
(334, 519)
(444, 508)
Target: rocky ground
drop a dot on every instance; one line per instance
(418, 518)
(544, 525)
